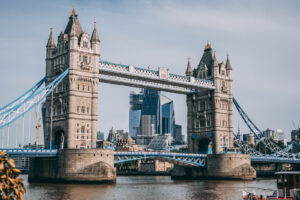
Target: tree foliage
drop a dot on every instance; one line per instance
(11, 186)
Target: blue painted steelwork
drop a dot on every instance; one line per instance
(274, 159)
(274, 148)
(198, 160)
(30, 152)
(183, 158)
(18, 101)
(31, 101)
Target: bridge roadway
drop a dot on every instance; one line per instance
(146, 78)
(182, 158)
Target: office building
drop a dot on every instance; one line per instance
(151, 113)
(136, 102)
(178, 139)
(100, 135)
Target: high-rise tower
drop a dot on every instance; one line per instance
(72, 120)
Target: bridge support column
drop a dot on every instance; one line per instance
(219, 166)
(230, 166)
(76, 166)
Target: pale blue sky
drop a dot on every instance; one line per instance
(262, 38)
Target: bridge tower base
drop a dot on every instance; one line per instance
(75, 166)
(219, 166)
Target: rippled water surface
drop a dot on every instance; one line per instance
(149, 187)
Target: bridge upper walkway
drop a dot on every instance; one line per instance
(146, 78)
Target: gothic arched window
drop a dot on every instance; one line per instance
(85, 44)
(196, 123)
(202, 105)
(202, 121)
(58, 109)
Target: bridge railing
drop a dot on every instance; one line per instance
(118, 153)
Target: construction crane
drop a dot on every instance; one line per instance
(38, 126)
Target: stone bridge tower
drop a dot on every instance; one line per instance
(210, 112)
(71, 111)
(71, 114)
(210, 123)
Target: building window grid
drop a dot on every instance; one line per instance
(85, 44)
(85, 59)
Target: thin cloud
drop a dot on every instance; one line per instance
(202, 17)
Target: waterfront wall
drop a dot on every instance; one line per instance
(75, 165)
(269, 169)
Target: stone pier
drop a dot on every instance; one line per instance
(219, 166)
(75, 166)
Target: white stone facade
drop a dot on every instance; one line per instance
(75, 100)
(210, 112)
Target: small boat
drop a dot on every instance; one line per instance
(288, 188)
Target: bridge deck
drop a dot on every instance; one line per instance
(126, 156)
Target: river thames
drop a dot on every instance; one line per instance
(147, 188)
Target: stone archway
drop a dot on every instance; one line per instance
(59, 140)
(205, 146)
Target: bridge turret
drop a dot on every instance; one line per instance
(215, 67)
(95, 41)
(51, 42)
(228, 67)
(50, 51)
(189, 70)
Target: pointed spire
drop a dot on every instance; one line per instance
(216, 64)
(73, 27)
(208, 46)
(95, 36)
(228, 65)
(51, 43)
(73, 12)
(189, 70)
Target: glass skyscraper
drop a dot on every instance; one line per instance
(151, 113)
(168, 116)
(136, 101)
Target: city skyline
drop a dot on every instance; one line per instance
(252, 54)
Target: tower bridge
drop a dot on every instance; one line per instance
(74, 71)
